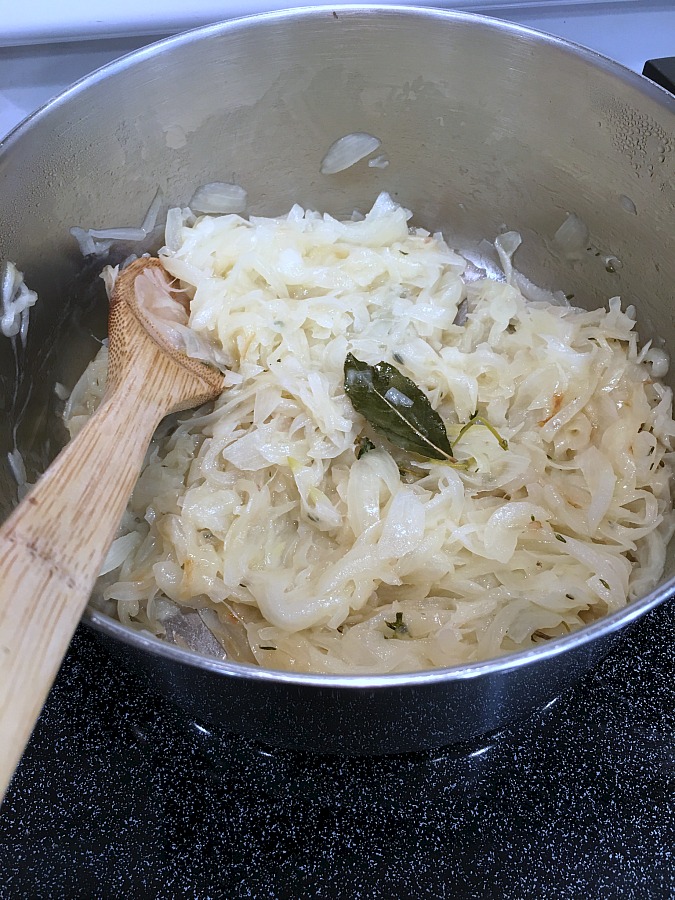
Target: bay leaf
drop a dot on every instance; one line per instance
(396, 408)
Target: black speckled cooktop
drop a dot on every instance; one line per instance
(120, 795)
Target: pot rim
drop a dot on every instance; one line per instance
(604, 627)
(147, 643)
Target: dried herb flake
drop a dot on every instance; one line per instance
(398, 626)
(363, 445)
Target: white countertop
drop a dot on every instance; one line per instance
(46, 21)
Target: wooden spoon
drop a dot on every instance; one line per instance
(54, 543)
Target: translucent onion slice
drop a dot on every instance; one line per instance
(347, 151)
(16, 300)
(219, 198)
(572, 236)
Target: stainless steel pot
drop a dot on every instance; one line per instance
(485, 125)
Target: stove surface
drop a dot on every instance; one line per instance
(120, 795)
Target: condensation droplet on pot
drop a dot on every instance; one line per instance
(627, 204)
(175, 137)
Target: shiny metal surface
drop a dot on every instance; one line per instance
(485, 125)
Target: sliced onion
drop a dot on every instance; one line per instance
(219, 198)
(572, 236)
(16, 464)
(150, 219)
(118, 234)
(85, 241)
(174, 226)
(378, 162)
(397, 398)
(132, 257)
(120, 548)
(535, 293)
(347, 151)
(169, 317)
(628, 204)
(109, 277)
(659, 361)
(403, 526)
(506, 245)
(97, 241)
(15, 302)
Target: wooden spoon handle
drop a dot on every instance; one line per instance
(51, 551)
